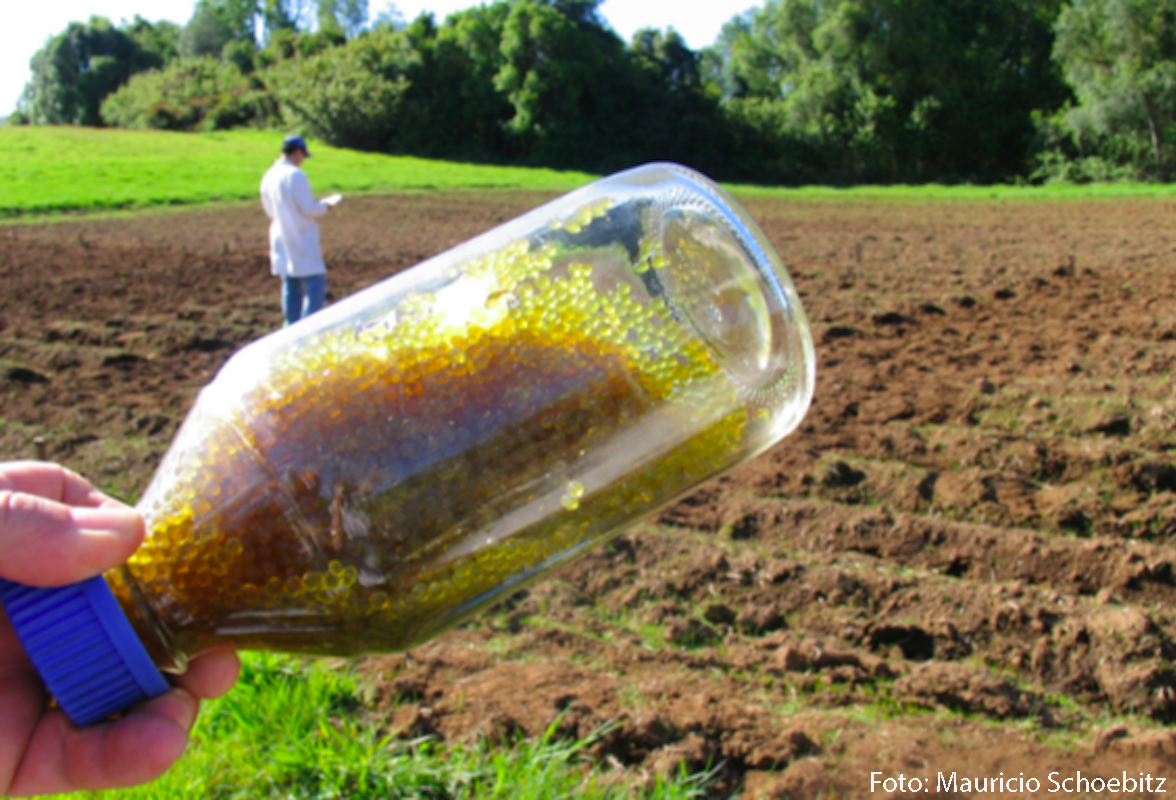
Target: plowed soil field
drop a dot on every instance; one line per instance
(964, 561)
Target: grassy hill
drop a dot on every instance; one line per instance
(64, 169)
(55, 169)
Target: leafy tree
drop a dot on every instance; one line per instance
(562, 73)
(453, 108)
(1120, 58)
(281, 15)
(797, 77)
(342, 17)
(307, 43)
(717, 63)
(285, 44)
(894, 89)
(191, 94)
(78, 68)
(677, 119)
(240, 54)
(279, 47)
(216, 23)
(549, 83)
(967, 78)
(351, 96)
(158, 38)
(675, 64)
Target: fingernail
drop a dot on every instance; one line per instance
(110, 519)
(191, 707)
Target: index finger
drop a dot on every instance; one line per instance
(51, 481)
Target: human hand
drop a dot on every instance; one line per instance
(56, 529)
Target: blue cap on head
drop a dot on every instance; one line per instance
(83, 646)
(295, 142)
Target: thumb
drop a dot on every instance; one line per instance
(47, 543)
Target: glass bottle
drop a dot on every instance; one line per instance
(365, 479)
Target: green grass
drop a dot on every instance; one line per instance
(64, 169)
(294, 729)
(55, 169)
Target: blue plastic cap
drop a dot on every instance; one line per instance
(83, 646)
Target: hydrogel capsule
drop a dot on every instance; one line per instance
(365, 479)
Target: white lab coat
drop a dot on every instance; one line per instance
(293, 233)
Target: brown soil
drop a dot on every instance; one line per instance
(963, 562)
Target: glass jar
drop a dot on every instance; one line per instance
(373, 475)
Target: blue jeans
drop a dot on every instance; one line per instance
(301, 297)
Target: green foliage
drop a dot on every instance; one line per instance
(280, 46)
(350, 96)
(548, 83)
(160, 39)
(453, 107)
(665, 54)
(285, 44)
(279, 15)
(671, 115)
(1120, 57)
(767, 149)
(193, 94)
(578, 97)
(216, 23)
(79, 67)
(553, 68)
(343, 17)
(889, 90)
(241, 55)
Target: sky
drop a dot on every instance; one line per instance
(28, 27)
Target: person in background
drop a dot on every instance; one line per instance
(57, 529)
(295, 255)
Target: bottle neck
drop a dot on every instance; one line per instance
(148, 625)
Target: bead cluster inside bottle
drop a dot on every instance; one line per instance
(385, 479)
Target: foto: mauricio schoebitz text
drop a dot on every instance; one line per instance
(1075, 782)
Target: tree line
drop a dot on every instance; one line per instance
(796, 91)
